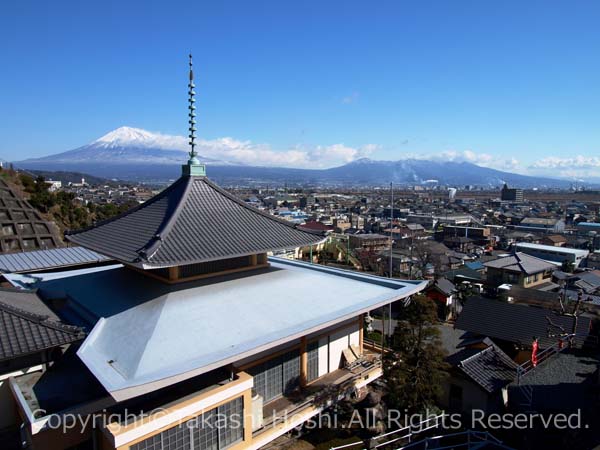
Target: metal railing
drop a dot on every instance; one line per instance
(401, 434)
(406, 433)
(465, 439)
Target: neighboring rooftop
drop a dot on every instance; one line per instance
(553, 249)
(521, 263)
(49, 259)
(490, 368)
(26, 329)
(517, 323)
(192, 221)
(566, 382)
(444, 286)
(539, 221)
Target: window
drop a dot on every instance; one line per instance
(312, 353)
(216, 429)
(277, 376)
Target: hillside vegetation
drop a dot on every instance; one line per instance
(61, 207)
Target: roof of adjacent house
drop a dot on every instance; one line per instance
(553, 249)
(517, 323)
(490, 368)
(48, 259)
(444, 286)
(522, 263)
(539, 221)
(555, 238)
(26, 328)
(191, 221)
(148, 334)
(463, 273)
(316, 226)
(564, 382)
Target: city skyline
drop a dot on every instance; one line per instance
(510, 87)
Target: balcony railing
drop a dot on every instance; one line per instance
(322, 393)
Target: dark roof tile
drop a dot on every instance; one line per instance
(516, 323)
(24, 332)
(191, 221)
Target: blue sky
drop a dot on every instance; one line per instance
(512, 85)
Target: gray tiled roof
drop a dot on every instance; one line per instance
(26, 300)
(490, 368)
(444, 285)
(48, 259)
(516, 323)
(521, 262)
(23, 332)
(191, 221)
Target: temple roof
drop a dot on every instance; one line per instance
(191, 221)
(28, 326)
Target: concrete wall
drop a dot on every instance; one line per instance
(9, 417)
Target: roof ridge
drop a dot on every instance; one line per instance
(40, 319)
(146, 204)
(476, 355)
(256, 210)
(162, 233)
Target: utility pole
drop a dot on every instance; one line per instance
(391, 253)
(391, 227)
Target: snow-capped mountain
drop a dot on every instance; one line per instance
(126, 146)
(135, 154)
(136, 137)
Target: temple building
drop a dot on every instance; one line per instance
(196, 322)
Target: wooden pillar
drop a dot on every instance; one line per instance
(303, 363)
(262, 258)
(361, 332)
(253, 260)
(248, 416)
(173, 273)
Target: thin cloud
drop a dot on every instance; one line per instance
(352, 98)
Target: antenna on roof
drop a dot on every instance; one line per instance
(193, 166)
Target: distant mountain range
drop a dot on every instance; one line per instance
(133, 154)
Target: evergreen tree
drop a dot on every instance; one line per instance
(415, 368)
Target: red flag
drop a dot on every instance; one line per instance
(534, 351)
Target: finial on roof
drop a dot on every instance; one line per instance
(193, 166)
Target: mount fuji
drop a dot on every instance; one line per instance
(127, 153)
(125, 146)
(138, 155)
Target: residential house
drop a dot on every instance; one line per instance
(540, 224)
(443, 293)
(479, 376)
(555, 240)
(520, 269)
(514, 326)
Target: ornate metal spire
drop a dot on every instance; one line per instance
(193, 166)
(192, 113)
